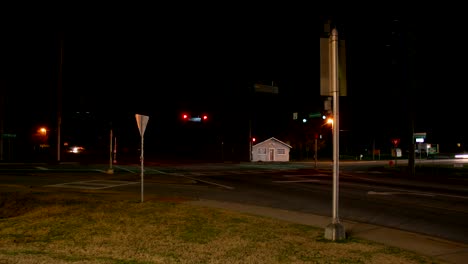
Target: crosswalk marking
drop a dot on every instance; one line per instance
(94, 184)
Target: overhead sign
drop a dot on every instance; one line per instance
(265, 88)
(419, 135)
(142, 121)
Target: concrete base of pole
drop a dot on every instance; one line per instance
(335, 231)
(110, 171)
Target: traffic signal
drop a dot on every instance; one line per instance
(254, 139)
(194, 118)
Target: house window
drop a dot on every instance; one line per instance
(280, 151)
(261, 150)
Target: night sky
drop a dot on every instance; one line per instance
(162, 67)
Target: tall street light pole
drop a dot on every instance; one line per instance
(59, 98)
(335, 230)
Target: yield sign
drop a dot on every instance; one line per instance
(142, 121)
(395, 142)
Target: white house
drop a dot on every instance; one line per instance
(271, 149)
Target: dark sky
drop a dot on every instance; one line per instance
(159, 66)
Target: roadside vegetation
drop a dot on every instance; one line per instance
(87, 227)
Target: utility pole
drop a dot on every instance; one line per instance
(410, 79)
(408, 69)
(250, 110)
(316, 148)
(110, 170)
(2, 111)
(411, 152)
(59, 96)
(250, 137)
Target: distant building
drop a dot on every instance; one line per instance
(271, 149)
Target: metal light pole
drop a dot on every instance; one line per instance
(335, 230)
(59, 101)
(316, 148)
(115, 150)
(110, 170)
(250, 138)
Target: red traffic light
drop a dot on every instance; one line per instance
(194, 118)
(253, 139)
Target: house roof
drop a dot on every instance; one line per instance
(275, 139)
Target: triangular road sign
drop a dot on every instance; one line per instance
(142, 121)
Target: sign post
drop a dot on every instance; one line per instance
(110, 170)
(316, 148)
(142, 121)
(335, 230)
(395, 142)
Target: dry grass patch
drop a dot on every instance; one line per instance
(50, 228)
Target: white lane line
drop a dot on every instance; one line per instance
(235, 172)
(404, 193)
(421, 193)
(197, 173)
(210, 173)
(74, 186)
(297, 181)
(42, 168)
(361, 178)
(125, 169)
(306, 175)
(158, 171)
(207, 182)
(95, 184)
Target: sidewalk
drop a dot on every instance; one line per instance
(448, 251)
(444, 250)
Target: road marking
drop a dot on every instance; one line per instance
(197, 173)
(297, 181)
(396, 193)
(235, 172)
(207, 182)
(306, 175)
(211, 173)
(42, 168)
(361, 178)
(125, 169)
(158, 171)
(401, 191)
(94, 184)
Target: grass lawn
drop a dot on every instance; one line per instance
(91, 227)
